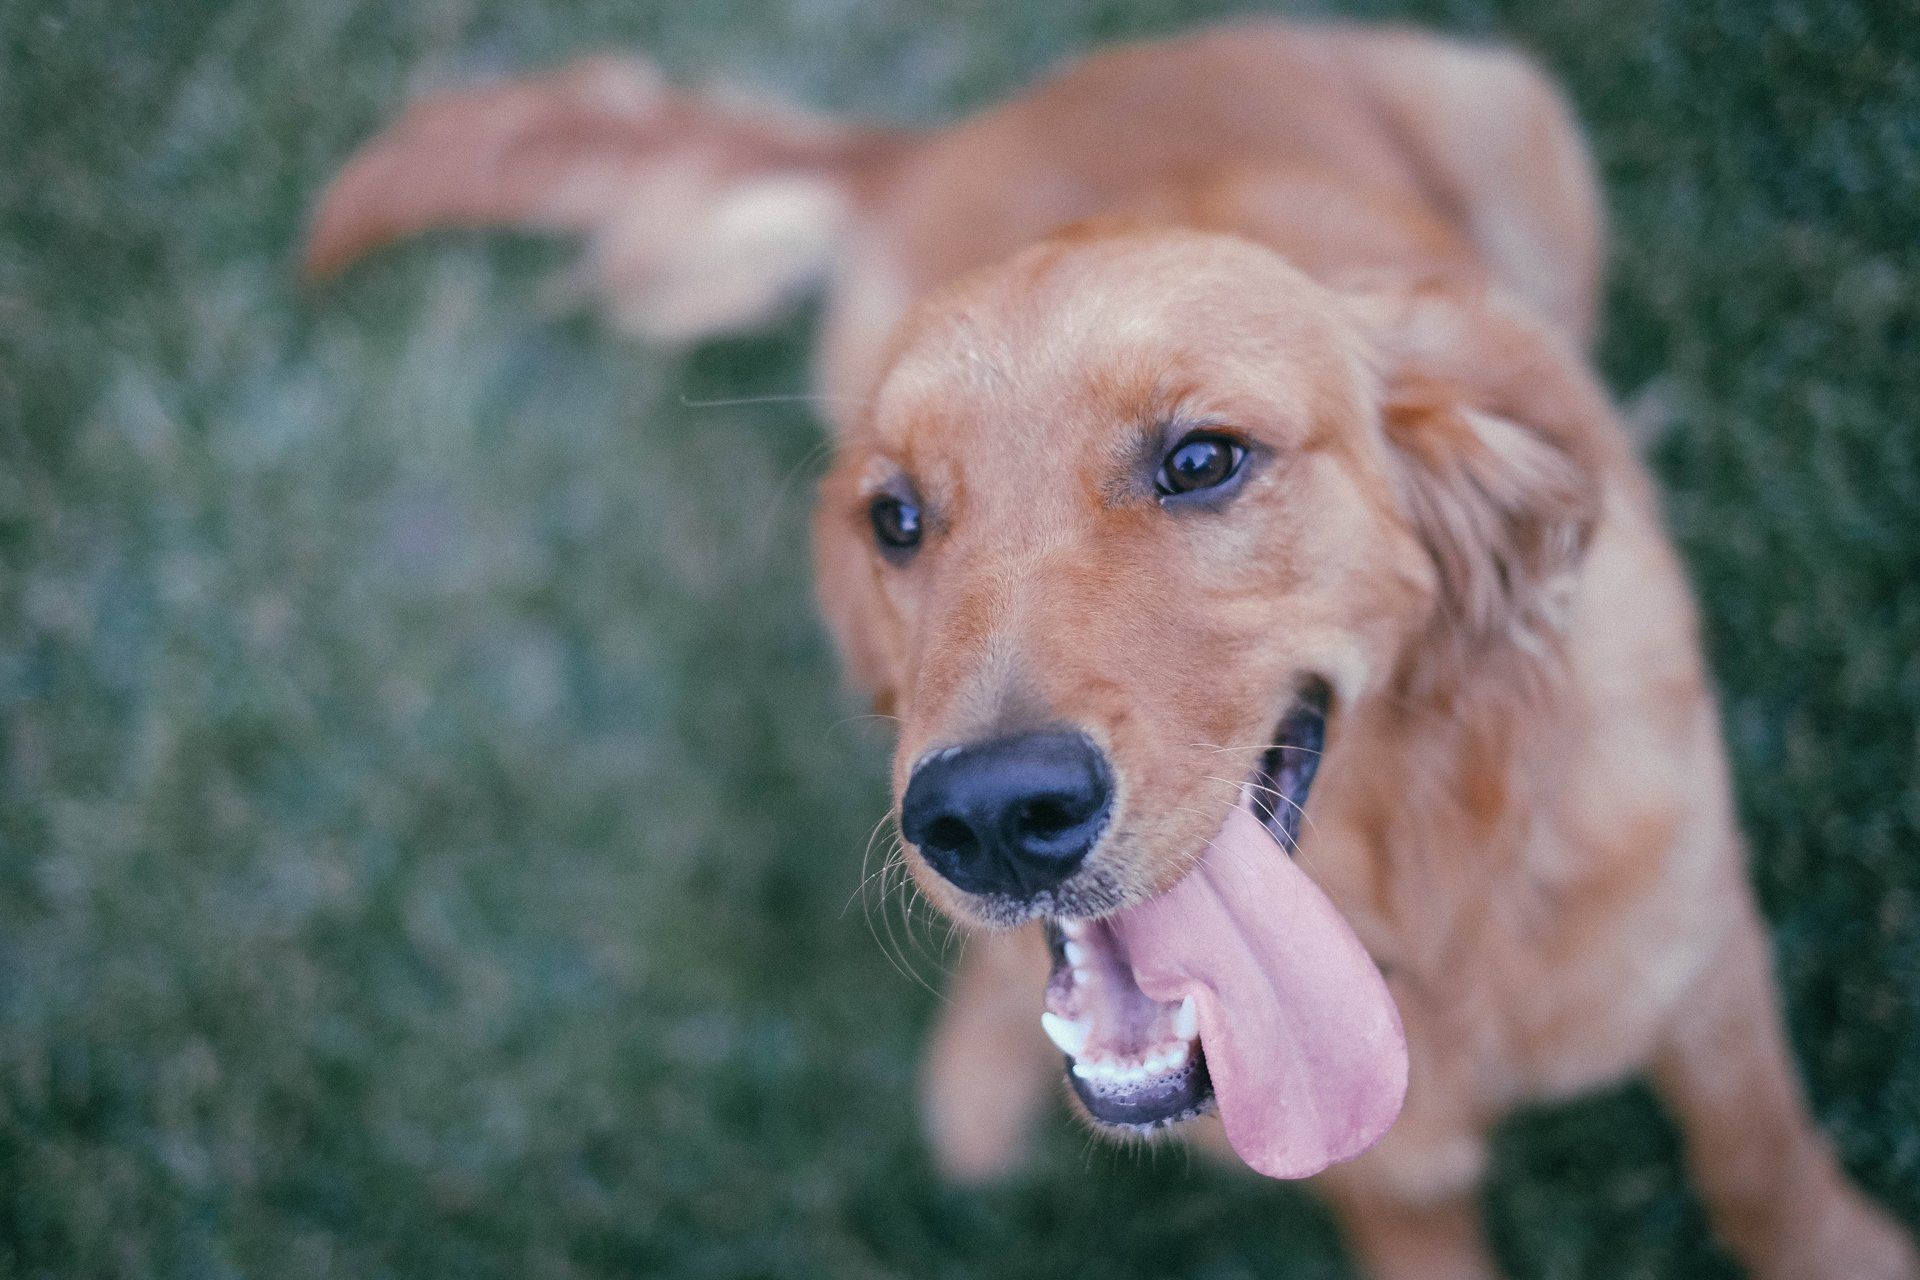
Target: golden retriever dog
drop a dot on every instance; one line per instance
(1294, 685)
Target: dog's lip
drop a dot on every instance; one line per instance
(1160, 1078)
(1287, 768)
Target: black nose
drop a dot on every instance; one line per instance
(1014, 816)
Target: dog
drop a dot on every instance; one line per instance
(1294, 685)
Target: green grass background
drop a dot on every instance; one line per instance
(428, 819)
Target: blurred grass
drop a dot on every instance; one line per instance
(427, 818)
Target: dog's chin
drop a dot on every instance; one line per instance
(1135, 1064)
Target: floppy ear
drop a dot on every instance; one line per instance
(1496, 439)
(701, 216)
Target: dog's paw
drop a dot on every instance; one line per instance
(1857, 1241)
(988, 1071)
(978, 1116)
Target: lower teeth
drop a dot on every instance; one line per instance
(1069, 1035)
(1169, 1058)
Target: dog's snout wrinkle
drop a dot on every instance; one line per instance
(1014, 816)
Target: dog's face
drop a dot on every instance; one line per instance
(1128, 517)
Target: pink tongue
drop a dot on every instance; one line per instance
(1308, 1060)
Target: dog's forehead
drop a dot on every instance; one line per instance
(1079, 342)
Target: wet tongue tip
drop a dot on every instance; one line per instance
(1304, 1045)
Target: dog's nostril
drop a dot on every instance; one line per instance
(949, 835)
(1046, 816)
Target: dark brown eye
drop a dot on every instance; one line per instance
(1201, 461)
(896, 522)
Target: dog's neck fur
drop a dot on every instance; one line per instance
(1433, 842)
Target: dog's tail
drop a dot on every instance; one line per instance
(702, 216)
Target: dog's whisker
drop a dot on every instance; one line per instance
(847, 720)
(954, 936)
(1262, 788)
(902, 887)
(890, 945)
(1292, 845)
(1253, 746)
(909, 896)
(919, 936)
(866, 857)
(735, 402)
(859, 892)
(784, 490)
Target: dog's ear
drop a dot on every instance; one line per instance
(702, 216)
(1496, 439)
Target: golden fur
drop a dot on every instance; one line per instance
(1375, 254)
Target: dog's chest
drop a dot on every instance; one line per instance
(1513, 988)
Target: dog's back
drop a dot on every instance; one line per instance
(1387, 154)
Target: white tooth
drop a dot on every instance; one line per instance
(1154, 1063)
(1076, 954)
(1093, 1069)
(1073, 928)
(1186, 1020)
(1069, 1035)
(1178, 1055)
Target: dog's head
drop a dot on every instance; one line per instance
(1125, 505)
(1133, 519)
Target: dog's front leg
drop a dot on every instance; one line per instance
(1410, 1208)
(1771, 1184)
(1393, 1238)
(989, 1069)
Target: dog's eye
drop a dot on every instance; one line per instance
(1202, 460)
(896, 522)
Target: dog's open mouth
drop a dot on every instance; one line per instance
(1135, 1062)
(1241, 981)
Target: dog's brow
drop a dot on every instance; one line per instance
(879, 472)
(1129, 464)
